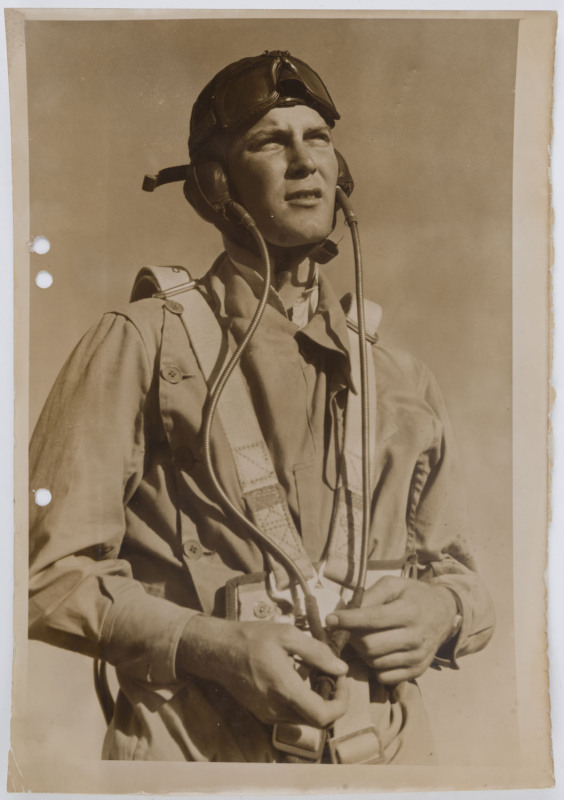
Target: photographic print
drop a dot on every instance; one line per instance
(282, 327)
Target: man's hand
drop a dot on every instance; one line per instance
(255, 662)
(400, 626)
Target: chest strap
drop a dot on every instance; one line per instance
(263, 495)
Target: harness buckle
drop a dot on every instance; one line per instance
(358, 747)
(303, 741)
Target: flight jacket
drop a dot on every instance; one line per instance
(134, 541)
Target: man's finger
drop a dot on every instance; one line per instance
(398, 660)
(394, 614)
(384, 590)
(314, 710)
(395, 676)
(315, 653)
(382, 643)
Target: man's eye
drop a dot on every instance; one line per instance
(321, 136)
(271, 143)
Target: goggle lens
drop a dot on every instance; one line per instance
(257, 88)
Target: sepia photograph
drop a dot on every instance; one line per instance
(281, 306)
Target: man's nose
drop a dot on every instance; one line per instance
(300, 161)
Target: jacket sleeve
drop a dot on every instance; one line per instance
(88, 451)
(437, 524)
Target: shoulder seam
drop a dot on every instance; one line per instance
(122, 312)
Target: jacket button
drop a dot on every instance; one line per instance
(192, 548)
(171, 373)
(263, 610)
(172, 305)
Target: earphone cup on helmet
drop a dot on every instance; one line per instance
(344, 177)
(207, 190)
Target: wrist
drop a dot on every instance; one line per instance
(452, 617)
(198, 646)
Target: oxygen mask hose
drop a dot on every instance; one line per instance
(310, 602)
(339, 638)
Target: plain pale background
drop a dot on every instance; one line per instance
(427, 130)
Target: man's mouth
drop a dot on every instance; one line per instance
(304, 194)
(305, 198)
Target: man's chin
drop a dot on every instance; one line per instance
(299, 229)
(300, 238)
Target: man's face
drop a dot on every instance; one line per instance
(284, 171)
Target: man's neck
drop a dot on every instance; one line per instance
(292, 269)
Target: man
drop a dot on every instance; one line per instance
(139, 561)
